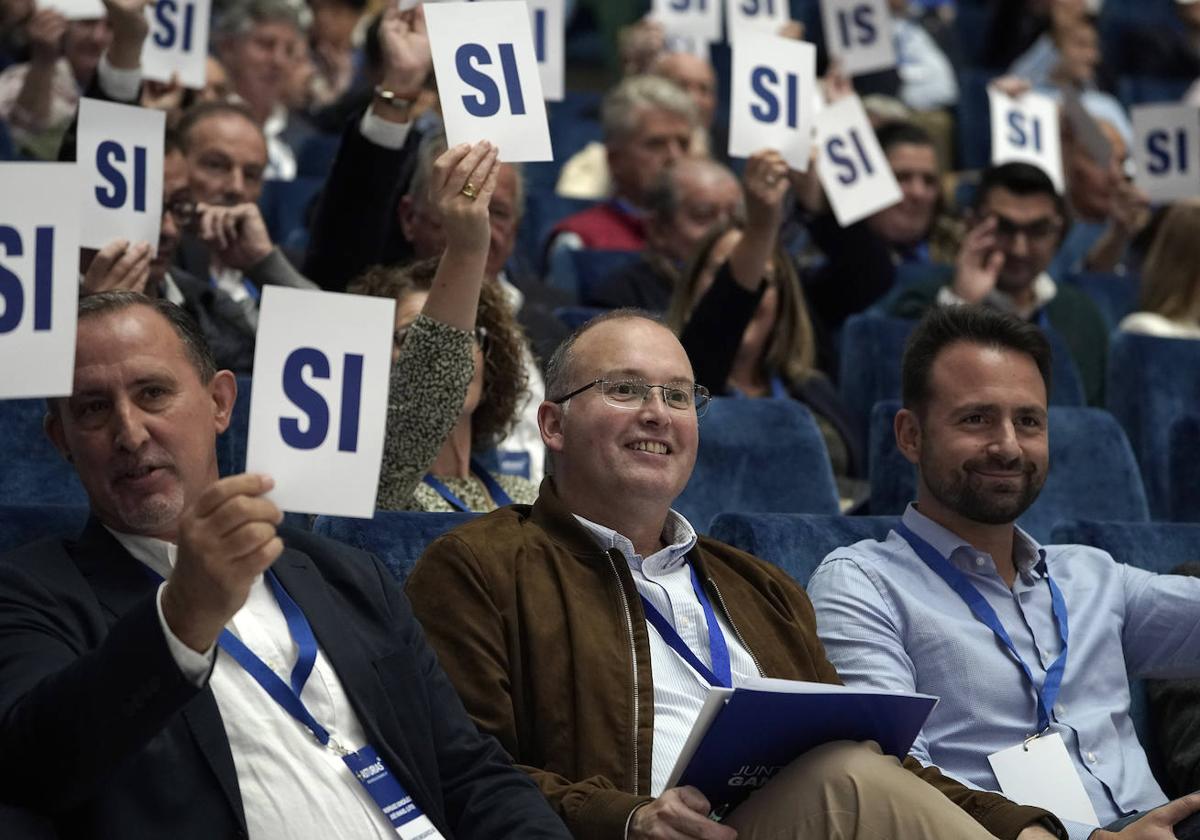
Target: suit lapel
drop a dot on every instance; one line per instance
(120, 582)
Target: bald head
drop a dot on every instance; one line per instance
(688, 200)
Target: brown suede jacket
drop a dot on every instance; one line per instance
(544, 637)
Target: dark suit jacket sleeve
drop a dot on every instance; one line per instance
(94, 90)
(356, 215)
(484, 796)
(72, 710)
(859, 270)
(713, 333)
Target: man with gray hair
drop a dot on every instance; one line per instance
(648, 125)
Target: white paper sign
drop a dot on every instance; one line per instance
(39, 278)
(859, 33)
(120, 155)
(178, 41)
(319, 404)
(699, 18)
(75, 9)
(1166, 149)
(1044, 776)
(1026, 129)
(488, 77)
(772, 83)
(853, 169)
(766, 16)
(546, 18)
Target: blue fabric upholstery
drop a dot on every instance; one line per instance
(1114, 295)
(974, 123)
(872, 347)
(1143, 90)
(593, 267)
(1185, 477)
(1151, 383)
(33, 471)
(24, 523)
(797, 542)
(397, 538)
(1092, 471)
(761, 455)
(231, 444)
(285, 205)
(576, 316)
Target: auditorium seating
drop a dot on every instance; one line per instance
(593, 267)
(1184, 471)
(397, 538)
(576, 316)
(1115, 295)
(1151, 383)
(755, 456)
(285, 205)
(24, 523)
(34, 472)
(1092, 471)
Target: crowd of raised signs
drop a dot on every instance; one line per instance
(240, 158)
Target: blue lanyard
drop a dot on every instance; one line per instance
(983, 611)
(493, 487)
(720, 674)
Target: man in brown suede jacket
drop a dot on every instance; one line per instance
(539, 616)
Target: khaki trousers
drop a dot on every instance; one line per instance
(849, 791)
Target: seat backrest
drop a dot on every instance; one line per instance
(594, 266)
(1151, 383)
(24, 523)
(762, 455)
(1154, 546)
(231, 444)
(1114, 295)
(872, 347)
(33, 472)
(1184, 477)
(576, 316)
(797, 542)
(397, 538)
(1092, 471)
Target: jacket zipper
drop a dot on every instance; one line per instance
(733, 624)
(633, 655)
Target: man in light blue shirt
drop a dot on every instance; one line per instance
(1016, 638)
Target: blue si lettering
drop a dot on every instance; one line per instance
(165, 29)
(117, 192)
(1021, 134)
(487, 104)
(848, 165)
(11, 290)
(857, 26)
(750, 8)
(539, 35)
(686, 5)
(313, 404)
(763, 80)
(1158, 150)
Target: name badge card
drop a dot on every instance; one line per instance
(859, 34)
(772, 81)
(488, 77)
(1040, 773)
(39, 278)
(1026, 129)
(120, 155)
(1166, 149)
(700, 19)
(178, 42)
(546, 17)
(319, 404)
(75, 9)
(853, 169)
(766, 16)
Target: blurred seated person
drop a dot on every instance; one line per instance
(688, 200)
(1170, 278)
(648, 124)
(741, 316)
(14, 31)
(1077, 68)
(1016, 226)
(1165, 52)
(173, 98)
(337, 62)
(260, 42)
(38, 98)
(927, 79)
(861, 259)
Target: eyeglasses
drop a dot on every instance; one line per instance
(481, 337)
(1042, 230)
(628, 393)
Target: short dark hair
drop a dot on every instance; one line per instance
(901, 132)
(943, 326)
(1023, 179)
(199, 113)
(185, 327)
(559, 368)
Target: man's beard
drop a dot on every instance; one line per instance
(963, 493)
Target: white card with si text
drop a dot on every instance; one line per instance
(700, 19)
(1040, 773)
(76, 9)
(772, 83)
(851, 165)
(39, 278)
(177, 43)
(765, 16)
(859, 34)
(488, 78)
(546, 18)
(319, 406)
(1026, 129)
(1166, 150)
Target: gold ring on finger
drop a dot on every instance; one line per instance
(469, 190)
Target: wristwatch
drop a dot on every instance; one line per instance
(392, 99)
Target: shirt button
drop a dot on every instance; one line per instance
(1091, 757)
(979, 561)
(1060, 709)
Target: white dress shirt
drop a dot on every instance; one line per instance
(291, 786)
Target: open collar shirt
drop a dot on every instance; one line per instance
(888, 620)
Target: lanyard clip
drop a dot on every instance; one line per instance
(1034, 737)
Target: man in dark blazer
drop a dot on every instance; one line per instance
(108, 726)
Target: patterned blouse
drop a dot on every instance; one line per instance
(428, 385)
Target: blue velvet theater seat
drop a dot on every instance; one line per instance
(33, 472)
(593, 267)
(20, 524)
(758, 456)
(797, 542)
(1185, 470)
(397, 538)
(576, 316)
(1092, 471)
(231, 444)
(1151, 383)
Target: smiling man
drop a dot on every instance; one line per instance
(539, 615)
(960, 603)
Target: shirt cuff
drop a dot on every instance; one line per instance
(196, 667)
(383, 133)
(120, 85)
(947, 297)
